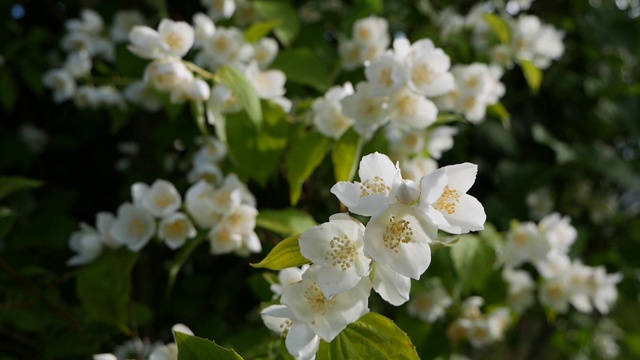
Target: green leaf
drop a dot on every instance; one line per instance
(532, 74)
(304, 67)
(501, 112)
(284, 255)
(285, 222)
(260, 29)
(10, 184)
(372, 337)
(283, 11)
(244, 91)
(499, 27)
(196, 348)
(104, 287)
(346, 155)
(257, 154)
(304, 156)
(199, 115)
(181, 258)
(473, 260)
(8, 92)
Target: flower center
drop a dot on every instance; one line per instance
(163, 200)
(396, 233)
(177, 228)
(174, 41)
(422, 75)
(448, 201)
(136, 227)
(342, 252)
(406, 105)
(385, 77)
(316, 299)
(377, 186)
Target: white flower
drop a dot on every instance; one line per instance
(555, 293)
(220, 9)
(198, 89)
(146, 42)
(520, 291)
(349, 52)
(241, 218)
(327, 112)
(524, 243)
(177, 37)
(431, 305)
(141, 93)
(301, 341)
(602, 288)
(175, 229)
(200, 205)
(336, 246)
(410, 111)
(33, 137)
(439, 140)
(558, 231)
(123, 22)
(204, 28)
(326, 316)
(62, 84)
(399, 237)
(265, 50)
(549, 263)
(109, 96)
(161, 199)
(286, 277)
(226, 46)
(386, 75)
(87, 245)
(104, 222)
(168, 74)
(428, 69)
(414, 169)
(223, 240)
(268, 84)
(134, 226)
(478, 331)
(378, 175)
(390, 285)
(365, 108)
(462, 212)
(104, 356)
(165, 352)
(78, 63)
(90, 22)
(207, 171)
(370, 30)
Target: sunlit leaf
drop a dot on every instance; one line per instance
(372, 337)
(501, 112)
(283, 11)
(305, 154)
(532, 74)
(345, 155)
(304, 67)
(104, 287)
(499, 27)
(244, 91)
(285, 222)
(284, 255)
(196, 348)
(260, 29)
(473, 260)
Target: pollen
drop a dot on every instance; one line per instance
(221, 45)
(177, 228)
(422, 74)
(136, 227)
(316, 299)
(163, 200)
(364, 33)
(396, 233)
(174, 41)
(377, 186)
(385, 77)
(448, 201)
(406, 105)
(343, 252)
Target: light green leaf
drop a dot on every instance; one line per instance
(284, 255)
(285, 222)
(532, 74)
(283, 11)
(257, 154)
(346, 155)
(10, 184)
(372, 337)
(260, 29)
(104, 287)
(501, 112)
(244, 91)
(473, 260)
(196, 348)
(304, 67)
(197, 110)
(304, 156)
(499, 27)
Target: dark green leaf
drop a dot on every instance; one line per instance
(372, 337)
(10, 184)
(244, 91)
(283, 11)
(181, 258)
(284, 255)
(285, 222)
(345, 155)
(104, 287)
(8, 91)
(304, 67)
(305, 154)
(197, 110)
(196, 348)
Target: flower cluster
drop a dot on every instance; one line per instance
(477, 327)
(563, 281)
(349, 258)
(430, 305)
(139, 349)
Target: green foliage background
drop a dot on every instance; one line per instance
(583, 124)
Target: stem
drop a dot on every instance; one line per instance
(200, 71)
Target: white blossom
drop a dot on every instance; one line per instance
(134, 226)
(87, 245)
(174, 229)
